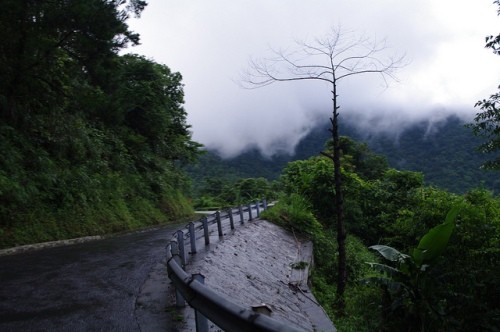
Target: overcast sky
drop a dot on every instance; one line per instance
(211, 42)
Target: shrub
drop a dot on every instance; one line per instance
(294, 212)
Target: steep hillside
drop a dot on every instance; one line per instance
(91, 141)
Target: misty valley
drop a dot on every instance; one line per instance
(444, 152)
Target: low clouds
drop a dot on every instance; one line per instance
(210, 43)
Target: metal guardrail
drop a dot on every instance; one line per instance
(207, 303)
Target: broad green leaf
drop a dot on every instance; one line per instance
(435, 241)
(389, 253)
(452, 214)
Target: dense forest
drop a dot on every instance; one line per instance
(445, 152)
(419, 258)
(91, 141)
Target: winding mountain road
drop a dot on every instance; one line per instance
(114, 284)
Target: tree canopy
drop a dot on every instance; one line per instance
(92, 141)
(438, 277)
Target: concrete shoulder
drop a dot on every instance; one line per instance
(261, 263)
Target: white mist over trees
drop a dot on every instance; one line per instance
(209, 43)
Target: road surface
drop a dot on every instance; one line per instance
(114, 284)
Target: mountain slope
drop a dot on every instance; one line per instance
(444, 152)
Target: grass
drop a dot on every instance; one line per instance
(40, 224)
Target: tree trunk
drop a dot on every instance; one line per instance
(339, 206)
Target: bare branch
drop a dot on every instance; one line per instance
(329, 59)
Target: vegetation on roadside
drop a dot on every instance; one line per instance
(91, 141)
(394, 209)
(215, 193)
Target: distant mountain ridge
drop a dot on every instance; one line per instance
(446, 155)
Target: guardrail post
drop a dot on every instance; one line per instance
(174, 249)
(168, 248)
(179, 299)
(182, 250)
(205, 231)
(249, 212)
(201, 320)
(258, 210)
(231, 220)
(264, 202)
(219, 224)
(192, 238)
(240, 208)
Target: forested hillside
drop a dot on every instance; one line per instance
(418, 258)
(91, 141)
(444, 152)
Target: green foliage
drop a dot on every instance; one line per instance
(207, 203)
(405, 282)
(491, 41)
(313, 180)
(430, 289)
(92, 142)
(299, 265)
(358, 158)
(487, 126)
(363, 306)
(443, 151)
(371, 205)
(398, 209)
(219, 192)
(432, 244)
(252, 189)
(469, 273)
(293, 212)
(363, 303)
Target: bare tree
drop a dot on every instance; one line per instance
(337, 56)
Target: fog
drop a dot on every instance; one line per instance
(211, 42)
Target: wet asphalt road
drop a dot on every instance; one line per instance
(90, 286)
